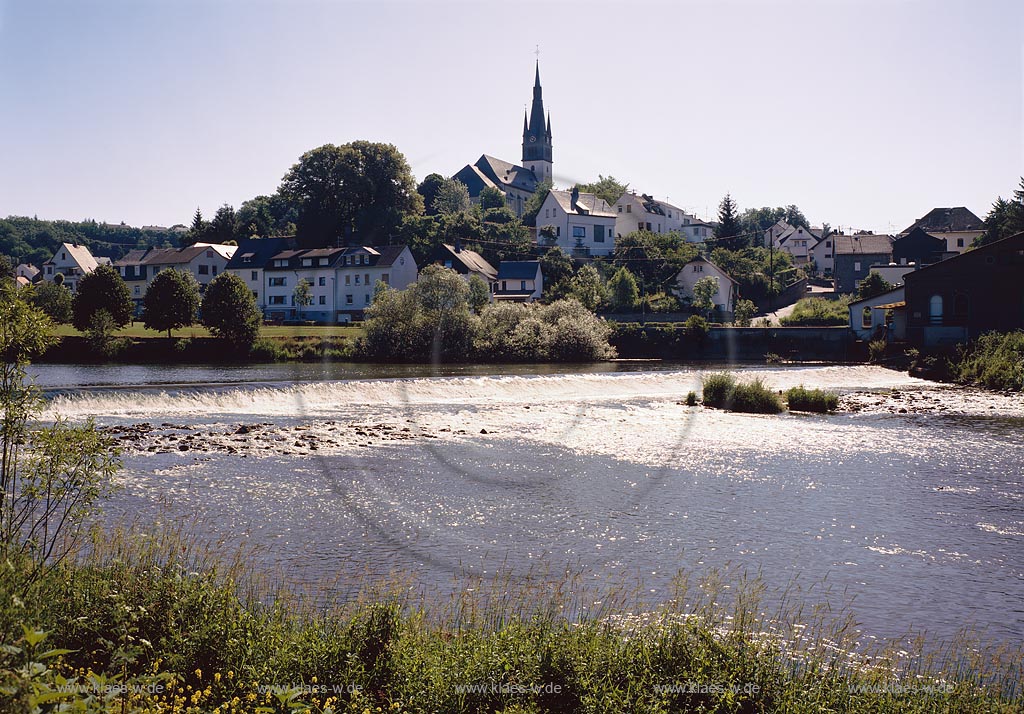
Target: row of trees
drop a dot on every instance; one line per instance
(103, 304)
(1006, 218)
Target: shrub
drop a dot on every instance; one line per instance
(876, 351)
(100, 336)
(696, 327)
(691, 399)
(723, 391)
(994, 360)
(811, 400)
(818, 312)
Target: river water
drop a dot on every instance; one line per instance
(911, 505)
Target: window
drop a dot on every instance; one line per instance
(935, 310)
(504, 285)
(321, 281)
(204, 269)
(366, 279)
(348, 299)
(322, 261)
(280, 263)
(276, 300)
(323, 299)
(558, 231)
(348, 279)
(384, 278)
(254, 276)
(856, 266)
(599, 234)
(255, 295)
(620, 209)
(215, 270)
(698, 268)
(357, 279)
(579, 231)
(277, 282)
(522, 285)
(447, 263)
(959, 242)
(348, 260)
(366, 301)
(307, 262)
(865, 318)
(136, 289)
(629, 208)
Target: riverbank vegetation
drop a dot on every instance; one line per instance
(724, 391)
(818, 312)
(994, 360)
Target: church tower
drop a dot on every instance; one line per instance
(537, 136)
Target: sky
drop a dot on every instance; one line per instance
(865, 114)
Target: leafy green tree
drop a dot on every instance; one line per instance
(491, 197)
(873, 284)
(588, 288)
(535, 202)
(704, 291)
(428, 189)
(451, 197)
(230, 312)
(303, 295)
(171, 301)
(102, 289)
(359, 191)
(46, 493)
(54, 300)
(479, 293)
(222, 228)
(654, 258)
(6, 268)
(744, 313)
(622, 290)
(99, 336)
(606, 187)
(729, 231)
(1006, 218)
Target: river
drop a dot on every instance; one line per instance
(909, 502)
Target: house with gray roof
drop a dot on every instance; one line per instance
(958, 227)
(70, 262)
(519, 281)
(204, 261)
(854, 255)
(583, 224)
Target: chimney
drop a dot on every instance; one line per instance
(575, 197)
(458, 245)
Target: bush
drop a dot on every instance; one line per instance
(811, 400)
(818, 312)
(696, 327)
(995, 360)
(691, 399)
(876, 351)
(723, 391)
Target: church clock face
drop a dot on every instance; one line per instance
(533, 139)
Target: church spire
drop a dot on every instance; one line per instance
(537, 132)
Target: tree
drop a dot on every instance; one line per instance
(359, 191)
(479, 293)
(222, 227)
(428, 189)
(102, 289)
(54, 300)
(587, 287)
(873, 284)
(6, 269)
(534, 203)
(230, 311)
(171, 301)
(728, 232)
(451, 197)
(606, 187)
(47, 491)
(492, 197)
(196, 232)
(1006, 218)
(743, 313)
(654, 258)
(704, 291)
(303, 295)
(622, 290)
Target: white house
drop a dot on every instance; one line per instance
(26, 271)
(584, 224)
(892, 273)
(466, 263)
(724, 299)
(641, 212)
(204, 261)
(519, 281)
(798, 242)
(868, 317)
(822, 255)
(71, 261)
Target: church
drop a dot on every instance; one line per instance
(517, 182)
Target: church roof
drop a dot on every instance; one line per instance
(507, 174)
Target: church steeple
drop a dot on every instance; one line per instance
(537, 134)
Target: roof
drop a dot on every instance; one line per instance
(587, 204)
(971, 255)
(896, 292)
(505, 173)
(518, 269)
(708, 262)
(472, 261)
(388, 254)
(256, 252)
(947, 219)
(80, 254)
(871, 243)
(132, 257)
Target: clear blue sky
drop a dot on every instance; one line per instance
(864, 114)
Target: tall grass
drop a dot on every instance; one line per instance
(811, 400)
(994, 360)
(142, 612)
(723, 391)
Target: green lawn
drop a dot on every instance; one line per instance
(137, 330)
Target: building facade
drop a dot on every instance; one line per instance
(583, 224)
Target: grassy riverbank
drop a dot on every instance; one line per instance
(157, 625)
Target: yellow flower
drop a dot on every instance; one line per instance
(199, 673)
(216, 676)
(313, 679)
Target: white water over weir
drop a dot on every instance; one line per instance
(910, 499)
